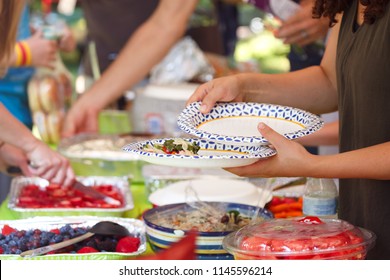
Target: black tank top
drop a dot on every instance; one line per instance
(363, 80)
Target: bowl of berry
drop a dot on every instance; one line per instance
(100, 196)
(30, 234)
(301, 238)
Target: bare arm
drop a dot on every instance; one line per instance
(146, 47)
(326, 136)
(292, 160)
(313, 89)
(150, 43)
(48, 163)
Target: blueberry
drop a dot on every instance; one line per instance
(58, 238)
(65, 229)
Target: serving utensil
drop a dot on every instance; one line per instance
(103, 227)
(294, 182)
(194, 201)
(267, 190)
(94, 193)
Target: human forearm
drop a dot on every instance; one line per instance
(14, 132)
(146, 47)
(317, 96)
(328, 135)
(376, 164)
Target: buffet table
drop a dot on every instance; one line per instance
(140, 205)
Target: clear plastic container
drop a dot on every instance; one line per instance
(320, 198)
(300, 238)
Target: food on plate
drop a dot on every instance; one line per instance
(173, 147)
(14, 241)
(57, 196)
(202, 221)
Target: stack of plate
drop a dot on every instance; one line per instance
(228, 134)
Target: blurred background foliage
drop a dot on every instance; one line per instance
(255, 42)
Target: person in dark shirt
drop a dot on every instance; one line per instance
(353, 78)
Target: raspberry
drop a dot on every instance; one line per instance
(127, 244)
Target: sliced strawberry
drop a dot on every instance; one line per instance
(53, 187)
(76, 201)
(86, 250)
(65, 203)
(128, 244)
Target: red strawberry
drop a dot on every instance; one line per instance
(86, 250)
(7, 230)
(127, 244)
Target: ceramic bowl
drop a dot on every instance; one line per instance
(208, 243)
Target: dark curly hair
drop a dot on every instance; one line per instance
(330, 8)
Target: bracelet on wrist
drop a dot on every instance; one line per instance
(23, 54)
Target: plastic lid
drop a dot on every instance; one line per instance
(300, 238)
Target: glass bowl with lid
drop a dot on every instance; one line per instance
(300, 238)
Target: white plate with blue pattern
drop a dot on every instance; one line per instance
(236, 123)
(210, 155)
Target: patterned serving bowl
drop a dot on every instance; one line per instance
(208, 243)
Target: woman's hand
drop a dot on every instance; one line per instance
(302, 29)
(222, 89)
(12, 156)
(49, 164)
(291, 160)
(81, 118)
(67, 41)
(43, 51)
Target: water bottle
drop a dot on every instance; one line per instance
(320, 198)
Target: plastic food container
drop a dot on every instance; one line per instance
(300, 238)
(134, 226)
(208, 243)
(102, 155)
(121, 183)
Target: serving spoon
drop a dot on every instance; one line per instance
(263, 199)
(103, 227)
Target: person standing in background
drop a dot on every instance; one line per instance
(145, 35)
(353, 77)
(18, 147)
